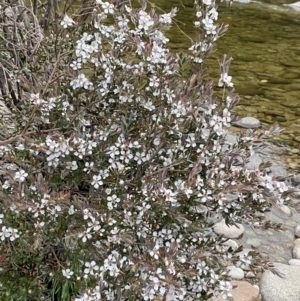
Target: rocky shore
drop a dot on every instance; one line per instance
(280, 247)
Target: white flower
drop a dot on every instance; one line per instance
(35, 98)
(225, 288)
(67, 273)
(112, 201)
(76, 65)
(67, 22)
(166, 18)
(154, 81)
(85, 235)
(81, 82)
(39, 224)
(206, 2)
(108, 8)
(197, 23)
(225, 80)
(97, 181)
(145, 21)
(6, 185)
(72, 165)
(20, 176)
(71, 210)
(91, 267)
(6, 232)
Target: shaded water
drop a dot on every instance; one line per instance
(264, 41)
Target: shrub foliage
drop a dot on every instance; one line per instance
(115, 165)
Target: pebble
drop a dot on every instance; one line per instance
(235, 273)
(285, 210)
(296, 179)
(248, 123)
(231, 243)
(229, 231)
(250, 275)
(294, 262)
(297, 231)
(296, 249)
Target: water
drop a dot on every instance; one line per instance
(264, 41)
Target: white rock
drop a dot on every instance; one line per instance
(274, 288)
(231, 243)
(242, 1)
(235, 273)
(285, 210)
(294, 262)
(297, 241)
(248, 122)
(250, 275)
(296, 249)
(295, 6)
(256, 286)
(297, 231)
(228, 231)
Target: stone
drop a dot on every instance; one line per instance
(297, 231)
(250, 275)
(294, 262)
(296, 249)
(248, 123)
(235, 273)
(231, 243)
(229, 231)
(296, 179)
(295, 6)
(285, 210)
(274, 288)
(253, 241)
(254, 162)
(242, 291)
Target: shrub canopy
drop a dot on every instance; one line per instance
(116, 164)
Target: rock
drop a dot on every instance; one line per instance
(253, 241)
(296, 179)
(297, 231)
(285, 210)
(296, 249)
(295, 6)
(229, 231)
(250, 275)
(254, 162)
(231, 243)
(294, 262)
(235, 273)
(274, 288)
(243, 291)
(248, 123)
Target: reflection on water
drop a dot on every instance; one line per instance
(264, 41)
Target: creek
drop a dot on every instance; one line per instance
(263, 39)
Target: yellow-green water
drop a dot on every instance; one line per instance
(264, 41)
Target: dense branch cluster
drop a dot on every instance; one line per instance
(119, 167)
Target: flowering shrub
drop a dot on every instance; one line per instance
(119, 167)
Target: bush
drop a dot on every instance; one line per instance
(116, 167)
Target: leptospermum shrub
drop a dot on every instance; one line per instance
(119, 167)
